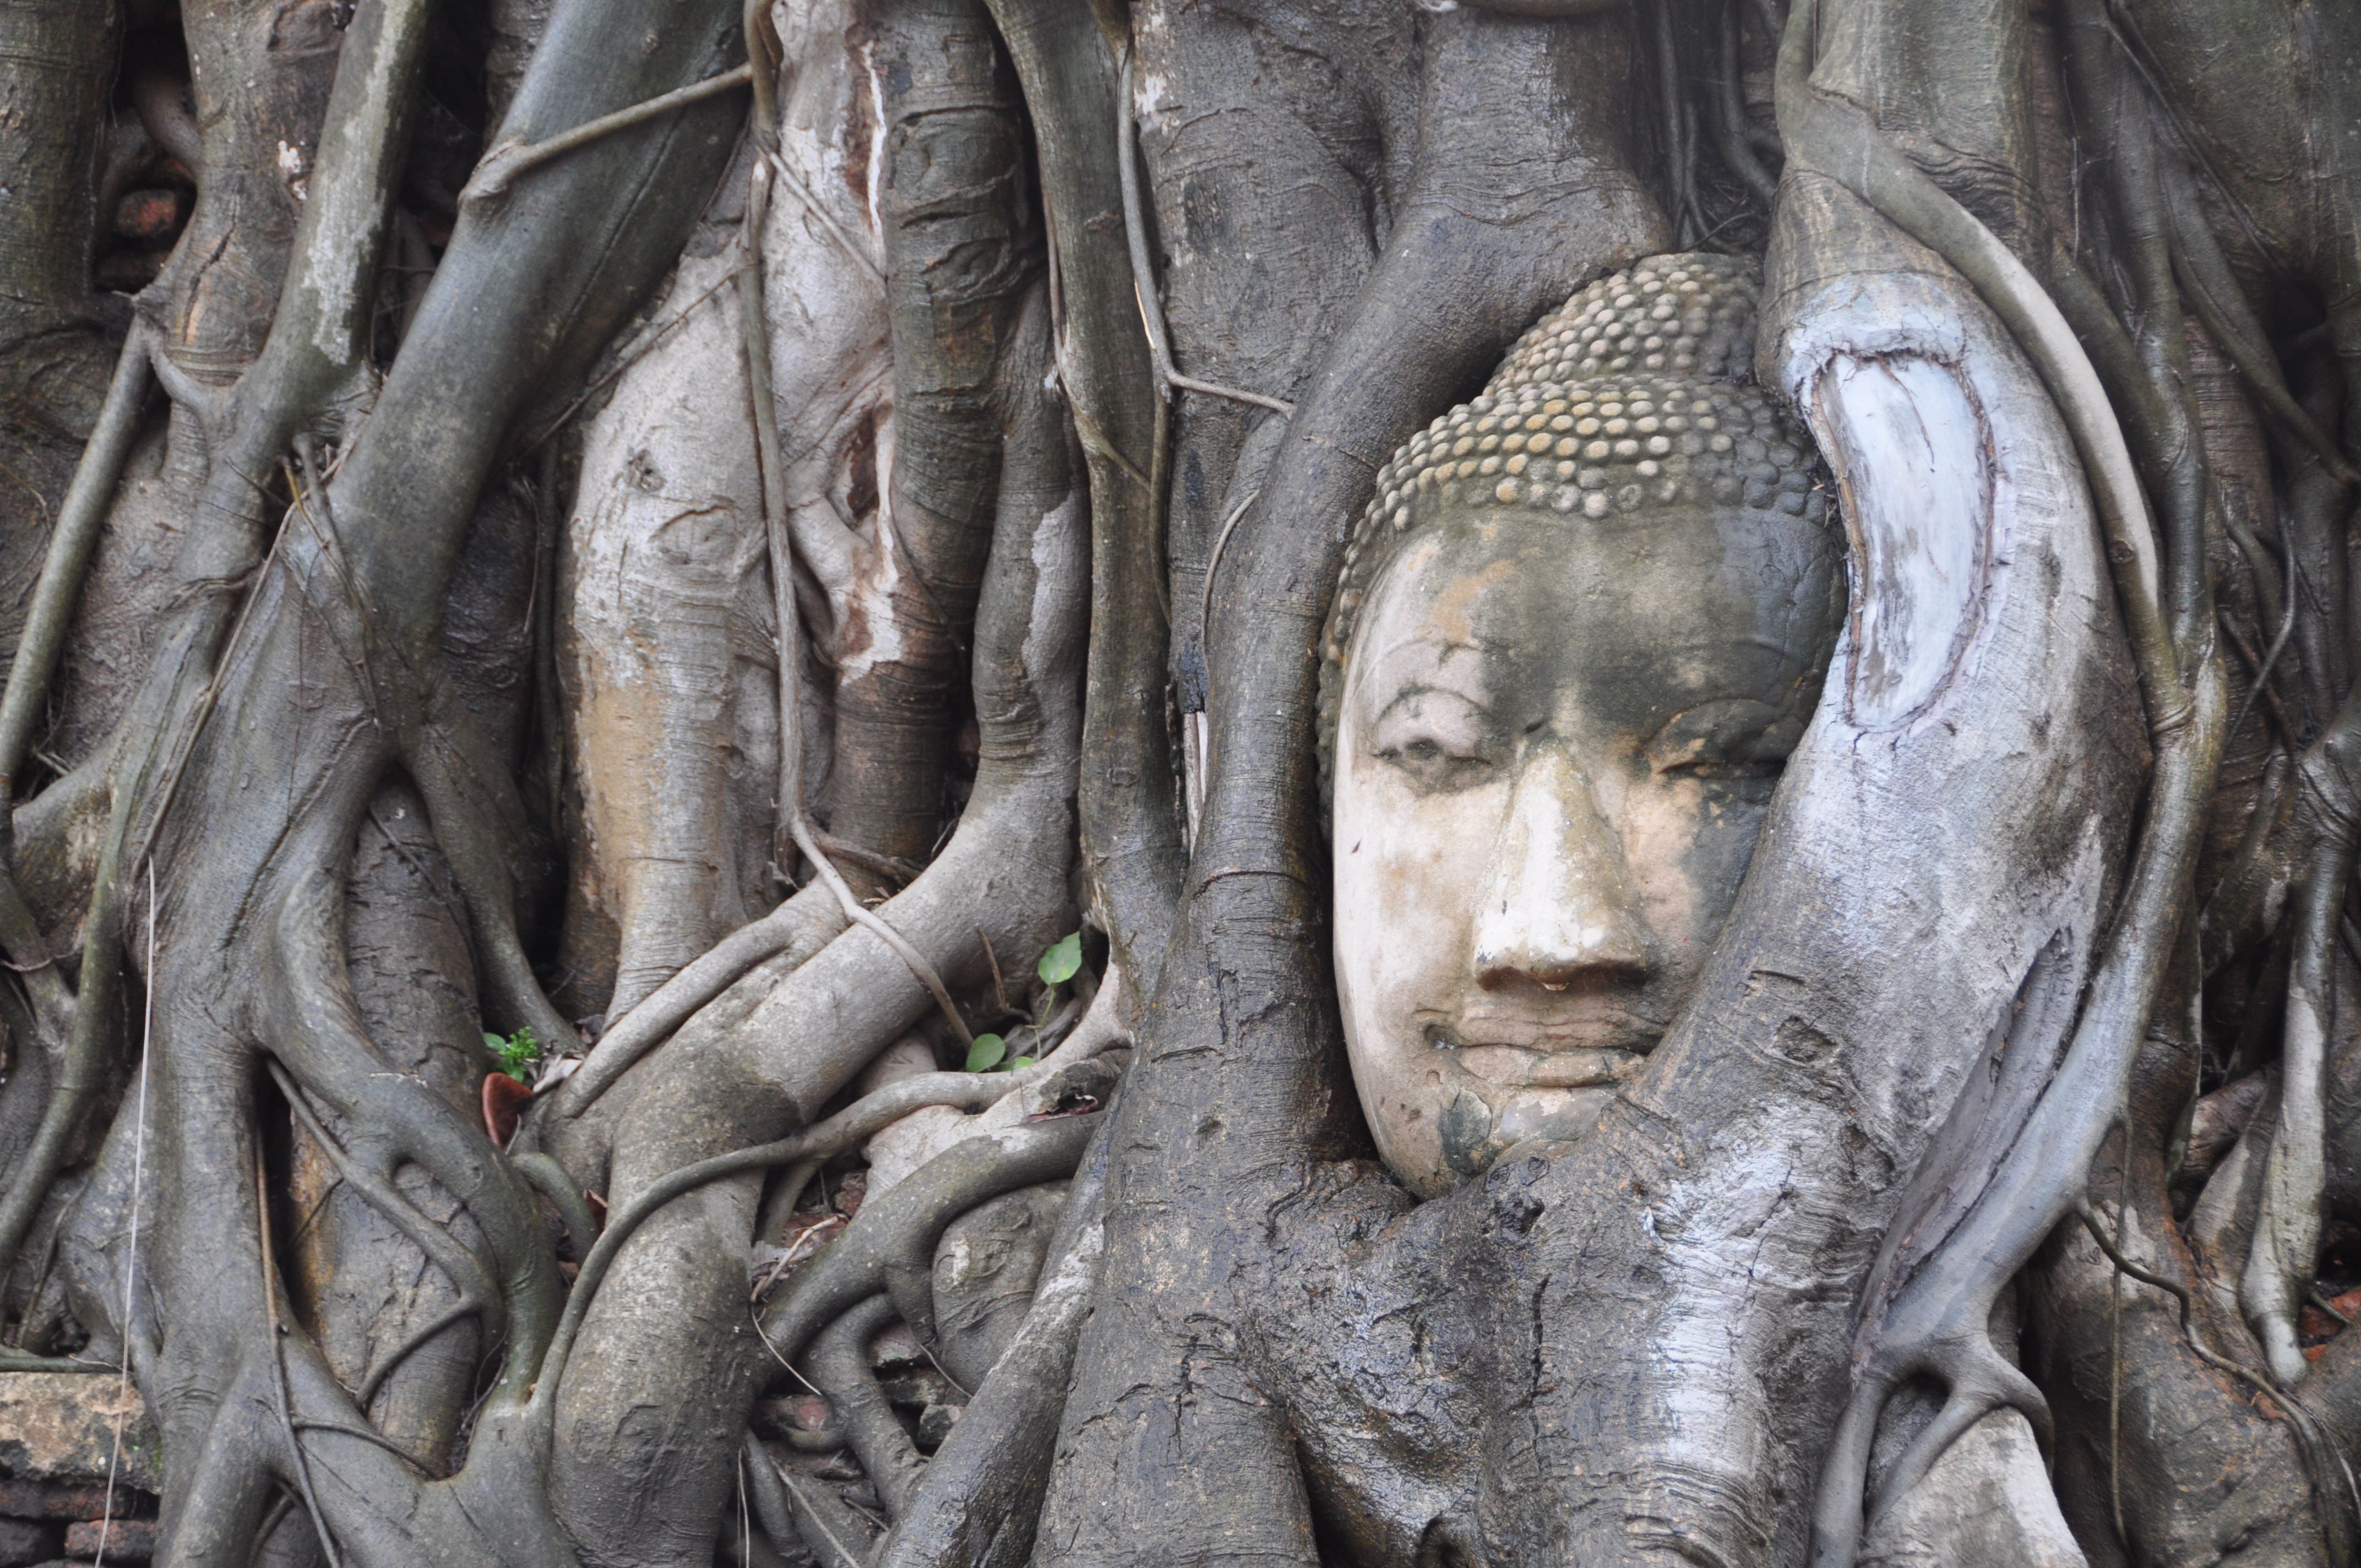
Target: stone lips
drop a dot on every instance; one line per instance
(1637, 393)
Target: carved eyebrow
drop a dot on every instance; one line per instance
(1439, 650)
(1714, 711)
(1415, 664)
(1718, 681)
(1410, 691)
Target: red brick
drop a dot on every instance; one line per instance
(127, 1541)
(53, 1501)
(151, 215)
(27, 1542)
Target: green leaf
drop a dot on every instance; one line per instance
(1063, 959)
(985, 1054)
(517, 1053)
(1018, 1064)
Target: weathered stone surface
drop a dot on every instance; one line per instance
(126, 1540)
(60, 1426)
(28, 1541)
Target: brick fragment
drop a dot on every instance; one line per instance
(53, 1501)
(26, 1542)
(150, 217)
(126, 1540)
(60, 1426)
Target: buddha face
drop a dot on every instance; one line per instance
(1556, 743)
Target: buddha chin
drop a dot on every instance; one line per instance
(1579, 635)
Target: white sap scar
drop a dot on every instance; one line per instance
(1909, 448)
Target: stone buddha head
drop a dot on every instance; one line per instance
(1578, 631)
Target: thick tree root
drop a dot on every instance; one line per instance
(251, 956)
(838, 1365)
(1931, 1302)
(796, 1507)
(890, 1246)
(847, 1129)
(981, 1498)
(801, 926)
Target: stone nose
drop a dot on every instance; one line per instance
(1558, 905)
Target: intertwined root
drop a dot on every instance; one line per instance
(304, 781)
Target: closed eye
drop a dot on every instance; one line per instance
(1736, 738)
(1438, 737)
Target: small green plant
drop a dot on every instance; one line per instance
(987, 1053)
(1061, 961)
(990, 1054)
(519, 1053)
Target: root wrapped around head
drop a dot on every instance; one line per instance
(1636, 395)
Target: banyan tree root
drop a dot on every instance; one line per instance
(2163, 1448)
(1561, 1479)
(1933, 1293)
(53, 349)
(894, 1251)
(892, 533)
(838, 1365)
(980, 1497)
(999, 886)
(667, 564)
(793, 1508)
(323, 692)
(317, 340)
(880, 1270)
(355, 1265)
(1064, 52)
(2307, 854)
(1256, 1289)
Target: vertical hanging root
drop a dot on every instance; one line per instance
(1729, 111)
(1131, 845)
(2208, 283)
(72, 540)
(2284, 1253)
(78, 1022)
